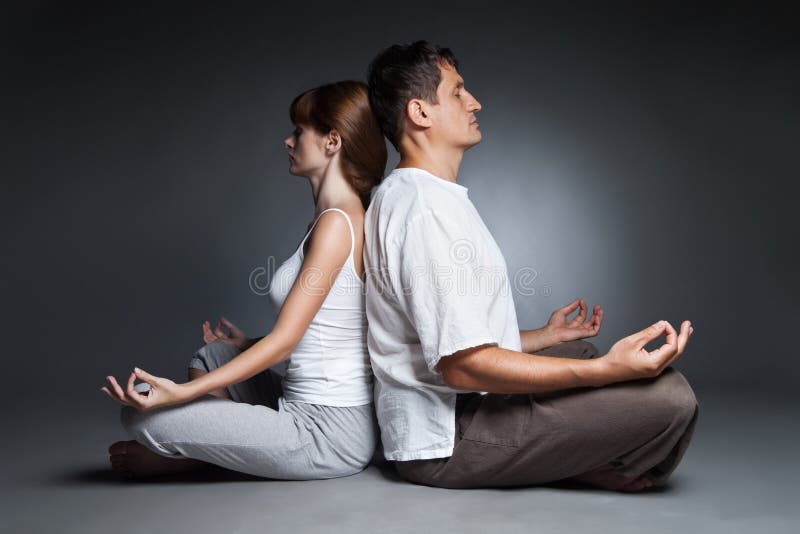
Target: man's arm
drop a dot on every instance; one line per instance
(497, 370)
(536, 340)
(560, 328)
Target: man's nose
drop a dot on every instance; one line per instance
(476, 106)
(473, 104)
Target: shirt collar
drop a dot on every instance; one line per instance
(444, 183)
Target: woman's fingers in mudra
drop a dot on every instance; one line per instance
(208, 335)
(116, 392)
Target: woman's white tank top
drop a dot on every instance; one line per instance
(330, 365)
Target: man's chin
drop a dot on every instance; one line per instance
(474, 141)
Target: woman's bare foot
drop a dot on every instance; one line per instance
(134, 460)
(612, 480)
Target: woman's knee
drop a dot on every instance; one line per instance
(153, 425)
(147, 429)
(157, 429)
(131, 420)
(213, 355)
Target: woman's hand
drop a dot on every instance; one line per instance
(163, 392)
(236, 337)
(579, 327)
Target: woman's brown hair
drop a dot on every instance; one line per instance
(344, 107)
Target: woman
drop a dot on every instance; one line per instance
(318, 421)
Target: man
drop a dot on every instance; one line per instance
(442, 324)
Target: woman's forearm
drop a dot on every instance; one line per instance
(251, 341)
(262, 354)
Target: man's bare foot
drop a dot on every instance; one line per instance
(610, 479)
(134, 461)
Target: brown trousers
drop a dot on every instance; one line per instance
(640, 427)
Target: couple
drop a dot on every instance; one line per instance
(462, 397)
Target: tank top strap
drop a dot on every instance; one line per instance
(349, 224)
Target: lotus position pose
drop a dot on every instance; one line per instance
(443, 328)
(318, 421)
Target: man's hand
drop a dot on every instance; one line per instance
(628, 360)
(236, 337)
(580, 327)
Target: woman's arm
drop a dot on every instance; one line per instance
(328, 250)
(251, 341)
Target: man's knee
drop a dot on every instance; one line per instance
(586, 349)
(674, 392)
(577, 349)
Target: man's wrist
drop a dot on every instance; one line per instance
(596, 372)
(549, 336)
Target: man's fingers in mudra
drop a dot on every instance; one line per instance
(581, 317)
(683, 337)
(567, 309)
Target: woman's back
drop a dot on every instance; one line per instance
(330, 365)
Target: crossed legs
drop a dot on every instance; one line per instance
(605, 478)
(135, 461)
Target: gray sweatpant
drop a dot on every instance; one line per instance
(257, 431)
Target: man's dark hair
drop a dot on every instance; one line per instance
(400, 73)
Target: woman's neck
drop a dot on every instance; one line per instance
(332, 190)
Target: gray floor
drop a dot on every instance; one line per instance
(739, 475)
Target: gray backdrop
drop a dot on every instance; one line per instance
(637, 157)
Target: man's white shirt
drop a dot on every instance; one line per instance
(437, 283)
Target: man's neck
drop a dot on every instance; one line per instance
(444, 165)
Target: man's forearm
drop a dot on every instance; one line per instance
(535, 340)
(498, 370)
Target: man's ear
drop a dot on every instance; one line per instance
(333, 142)
(417, 112)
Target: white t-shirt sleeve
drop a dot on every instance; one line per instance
(442, 265)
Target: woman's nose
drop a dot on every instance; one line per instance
(287, 143)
